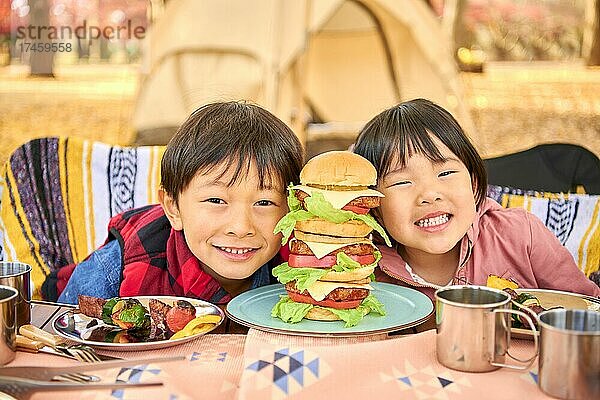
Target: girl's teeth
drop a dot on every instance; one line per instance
(235, 251)
(439, 220)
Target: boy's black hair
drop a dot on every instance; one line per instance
(228, 135)
(404, 129)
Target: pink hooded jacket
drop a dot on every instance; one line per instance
(508, 242)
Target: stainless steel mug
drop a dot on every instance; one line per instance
(473, 328)
(569, 363)
(17, 275)
(8, 329)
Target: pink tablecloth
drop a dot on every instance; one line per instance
(264, 365)
(211, 370)
(398, 368)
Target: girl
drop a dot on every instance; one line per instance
(444, 229)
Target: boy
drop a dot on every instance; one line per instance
(223, 180)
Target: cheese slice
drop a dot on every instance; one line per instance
(320, 250)
(339, 199)
(321, 289)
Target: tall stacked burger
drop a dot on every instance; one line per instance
(332, 256)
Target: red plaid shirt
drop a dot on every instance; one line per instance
(157, 260)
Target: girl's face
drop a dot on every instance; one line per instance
(229, 228)
(428, 206)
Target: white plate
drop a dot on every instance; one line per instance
(556, 298)
(69, 324)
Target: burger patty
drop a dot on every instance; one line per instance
(358, 249)
(365, 201)
(339, 294)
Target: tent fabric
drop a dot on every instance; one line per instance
(337, 61)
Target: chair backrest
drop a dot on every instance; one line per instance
(556, 167)
(58, 194)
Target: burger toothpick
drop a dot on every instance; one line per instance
(332, 256)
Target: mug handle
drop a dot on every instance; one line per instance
(529, 361)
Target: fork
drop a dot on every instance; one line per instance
(22, 388)
(34, 338)
(81, 352)
(47, 373)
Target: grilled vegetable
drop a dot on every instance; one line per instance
(130, 314)
(178, 316)
(107, 310)
(496, 282)
(129, 321)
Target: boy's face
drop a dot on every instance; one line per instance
(230, 229)
(428, 207)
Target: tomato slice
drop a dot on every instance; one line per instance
(339, 305)
(356, 209)
(301, 260)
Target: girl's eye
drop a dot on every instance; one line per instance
(264, 203)
(400, 183)
(446, 173)
(215, 200)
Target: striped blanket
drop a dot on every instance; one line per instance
(58, 195)
(573, 218)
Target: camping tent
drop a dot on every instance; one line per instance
(332, 62)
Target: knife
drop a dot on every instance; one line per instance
(35, 340)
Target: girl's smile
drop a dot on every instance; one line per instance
(434, 222)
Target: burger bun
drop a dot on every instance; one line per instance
(321, 314)
(338, 168)
(350, 229)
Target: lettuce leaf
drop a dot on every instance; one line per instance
(293, 203)
(304, 277)
(318, 206)
(373, 304)
(287, 223)
(290, 311)
(353, 316)
(345, 263)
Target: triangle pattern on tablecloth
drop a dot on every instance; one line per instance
(291, 370)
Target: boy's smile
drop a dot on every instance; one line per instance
(229, 227)
(236, 253)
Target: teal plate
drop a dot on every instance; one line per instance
(405, 308)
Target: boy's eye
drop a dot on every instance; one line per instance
(215, 200)
(265, 203)
(446, 173)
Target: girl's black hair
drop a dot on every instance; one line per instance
(232, 134)
(400, 131)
